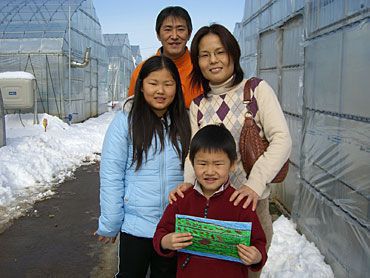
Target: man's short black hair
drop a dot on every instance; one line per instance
(213, 138)
(174, 11)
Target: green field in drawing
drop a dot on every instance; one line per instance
(214, 238)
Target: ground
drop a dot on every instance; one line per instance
(56, 238)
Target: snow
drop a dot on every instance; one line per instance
(16, 75)
(291, 255)
(34, 161)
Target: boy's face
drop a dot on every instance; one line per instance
(211, 170)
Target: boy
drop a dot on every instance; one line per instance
(213, 156)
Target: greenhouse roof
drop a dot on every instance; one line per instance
(35, 18)
(135, 49)
(28, 26)
(118, 45)
(116, 39)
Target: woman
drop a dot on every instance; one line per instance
(215, 55)
(142, 160)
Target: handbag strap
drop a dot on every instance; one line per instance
(251, 102)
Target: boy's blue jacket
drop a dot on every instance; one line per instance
(133, 202)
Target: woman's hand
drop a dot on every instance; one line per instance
(176, 241)
(249, 254)
(179, 191)
(241, 193)
(105, 239)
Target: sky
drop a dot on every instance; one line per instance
(34, 161)
(137, 18)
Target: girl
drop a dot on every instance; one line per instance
(142, 161)
(215, 55)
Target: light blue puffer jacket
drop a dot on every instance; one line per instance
(133, 202)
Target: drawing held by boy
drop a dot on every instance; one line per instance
(213, 156)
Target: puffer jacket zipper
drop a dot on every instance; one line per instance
(163, 165)
(163, 182)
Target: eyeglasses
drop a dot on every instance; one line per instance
(219, 54)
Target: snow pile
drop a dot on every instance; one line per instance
(34, 160)
(291, 255)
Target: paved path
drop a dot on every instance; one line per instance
(56, 238)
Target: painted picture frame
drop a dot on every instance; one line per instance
(214, 238)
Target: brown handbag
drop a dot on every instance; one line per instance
(251, 145)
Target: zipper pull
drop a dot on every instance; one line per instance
(187, 260)
(206, 209)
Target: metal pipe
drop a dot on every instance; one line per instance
(69, 61)
(75, 64)
(2, 123)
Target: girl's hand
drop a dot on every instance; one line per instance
(176, 241)
(179, 191)
(249, 254)
(105, 239)
(241, 193)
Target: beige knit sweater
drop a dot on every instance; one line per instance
(225, 105)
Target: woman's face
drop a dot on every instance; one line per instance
(214, 62)
(159, 90)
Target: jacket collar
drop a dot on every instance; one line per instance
(179, 61)
(222, 188)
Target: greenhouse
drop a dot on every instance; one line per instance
(135, 49)
(315, 56)
(60, 43)
(120, 65)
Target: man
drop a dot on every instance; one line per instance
(174, 27)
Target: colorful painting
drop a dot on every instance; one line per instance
(214, 238)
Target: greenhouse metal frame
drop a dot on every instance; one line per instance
(35, 36)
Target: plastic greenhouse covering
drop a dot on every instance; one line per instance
(315, 56)
(2, 123)
(38, 37)
(121, 65)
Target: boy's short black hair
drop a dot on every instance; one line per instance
(213, 138)
(174, 11)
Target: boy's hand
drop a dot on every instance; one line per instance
(249, 254)
(179, 191)
(105, 239)
(241, 193)
(176, 241)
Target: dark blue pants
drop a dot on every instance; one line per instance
(136, 254)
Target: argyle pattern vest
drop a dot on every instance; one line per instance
(227, 109)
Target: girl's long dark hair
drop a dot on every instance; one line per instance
(229, 43)
(145, 124)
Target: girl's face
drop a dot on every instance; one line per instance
(214, 62)
(159, 90)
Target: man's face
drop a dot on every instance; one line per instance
(173, 34)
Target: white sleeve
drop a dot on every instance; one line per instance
(275, 128)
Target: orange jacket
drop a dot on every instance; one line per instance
(184, 67)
